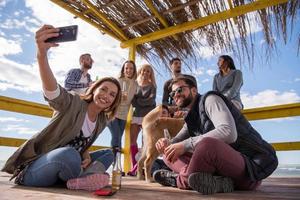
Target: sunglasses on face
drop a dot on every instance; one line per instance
(178, 90)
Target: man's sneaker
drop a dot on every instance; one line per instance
(206, 183)
(165, 177)
(91, 183)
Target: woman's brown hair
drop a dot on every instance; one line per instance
(134, 75)
(88, 96)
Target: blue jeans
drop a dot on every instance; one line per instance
(61, 164)
(116, 128)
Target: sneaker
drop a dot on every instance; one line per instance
(91, 183)
(165, 177)
(206, 183)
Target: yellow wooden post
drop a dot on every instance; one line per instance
(126, 149)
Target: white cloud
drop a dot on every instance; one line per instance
(269, 98)
(205, 80)
(2, 3)
(12, 119)
(9, 47)
(19, 129)
(105, 51)
(107, 57)
(211, 72)
(18, 76)
(297, 79)
(198, 71)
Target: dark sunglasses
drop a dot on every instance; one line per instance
(178, 90)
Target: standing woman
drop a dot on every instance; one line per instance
(229, 80)
(143, 102)
(128, 84)
(60, 151)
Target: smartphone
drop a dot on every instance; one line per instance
(106, 191)
(66, 34)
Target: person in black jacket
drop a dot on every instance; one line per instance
(217, 150)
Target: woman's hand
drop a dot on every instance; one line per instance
(47, 31)
(173, 151)
(161, 144)
(86, 160)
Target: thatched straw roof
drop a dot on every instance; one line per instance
(128, 19)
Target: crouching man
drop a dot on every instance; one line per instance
(217, 150)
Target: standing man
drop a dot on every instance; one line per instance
(78, 80)
(217, 150)
(175, 66)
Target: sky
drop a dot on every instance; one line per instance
(273, 83)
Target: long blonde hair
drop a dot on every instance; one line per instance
(89, 95)
(152, 77)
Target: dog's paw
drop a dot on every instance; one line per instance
(150, 180)
(141, 177)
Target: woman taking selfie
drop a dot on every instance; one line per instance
(59, 152)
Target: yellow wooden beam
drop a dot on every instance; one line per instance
(16, 142)
(270, 112)
(286, 146)
(237, 11)
(162, 20)
(156, 13)
(25, 107)
(11, 142)
(104, 18)
(84, 18)
(126, 150)
(132, 52)
(31, 108)
(231, 7)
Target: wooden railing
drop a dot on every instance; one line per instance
(31, 108)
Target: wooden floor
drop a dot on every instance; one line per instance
(271, 188)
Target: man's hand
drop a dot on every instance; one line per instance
(173, 151)
(180, 114)
(161, 144)
(47, 31)
(86, 160)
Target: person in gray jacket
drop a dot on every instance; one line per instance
(229, 80)
(60, 151)
(217, 150)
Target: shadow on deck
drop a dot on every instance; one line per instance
(271, 188)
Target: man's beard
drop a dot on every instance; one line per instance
(87, 66)
(187, 101)
(178, 71)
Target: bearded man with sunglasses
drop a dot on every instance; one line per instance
(217, 150)
(175, 67)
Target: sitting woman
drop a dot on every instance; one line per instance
(229, 80)
(60, 151)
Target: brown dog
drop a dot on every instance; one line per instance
(153, 129)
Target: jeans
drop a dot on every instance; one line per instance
(61, 164)
(116, 128)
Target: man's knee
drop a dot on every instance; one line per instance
(207, 143)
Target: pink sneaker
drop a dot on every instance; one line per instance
(91, 183)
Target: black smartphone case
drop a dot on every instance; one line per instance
(66, 34)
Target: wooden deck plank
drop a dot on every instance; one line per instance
(271, 188)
